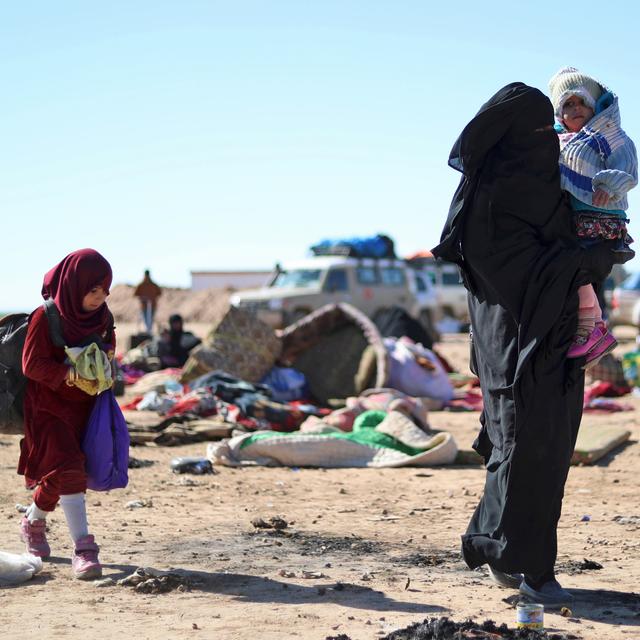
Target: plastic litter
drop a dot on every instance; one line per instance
(198, 466)
(17, 568)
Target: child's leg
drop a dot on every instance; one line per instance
(48, 492)
(84, 561)
(588, 310)
(33, 529)
(34, 512)
(75, 512)
(587, 334)
(598, 310)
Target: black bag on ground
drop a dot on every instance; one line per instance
(13, 331)
(396, 322)
(136, 339)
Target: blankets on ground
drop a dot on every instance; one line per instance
(232, 399)
(328, 347)
(379, 439)
(631, 367)
(416, 370)
(239, 343)
(609, 369)
(162, 381)
(130, 374)
(286, 384)
(377, 400)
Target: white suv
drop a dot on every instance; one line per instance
(369, 284)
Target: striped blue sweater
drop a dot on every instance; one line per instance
(600, 156)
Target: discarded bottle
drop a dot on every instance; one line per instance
(198, 466)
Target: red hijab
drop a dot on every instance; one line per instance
(68, 283)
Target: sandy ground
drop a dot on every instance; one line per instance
(379, 548)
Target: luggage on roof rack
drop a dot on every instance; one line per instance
(378, 246)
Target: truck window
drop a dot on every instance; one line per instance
(336, 280)
(392, 276)
(450, 278)
(420, 285)
(297, 278)
(367, 275)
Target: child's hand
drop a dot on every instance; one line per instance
(90, 387)
(600, 198)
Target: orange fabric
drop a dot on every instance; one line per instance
(148, 291)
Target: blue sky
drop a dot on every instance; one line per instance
(188, 135)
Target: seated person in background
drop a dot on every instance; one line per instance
(175, 343)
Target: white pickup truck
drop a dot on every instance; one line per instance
(450, 293)
(370, 284)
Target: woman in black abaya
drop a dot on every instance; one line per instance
(509, 231)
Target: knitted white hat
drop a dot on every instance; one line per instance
(571, 82)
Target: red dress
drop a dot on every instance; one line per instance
(55, 416)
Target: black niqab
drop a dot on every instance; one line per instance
(509, 229)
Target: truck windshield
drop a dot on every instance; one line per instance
(298, 278)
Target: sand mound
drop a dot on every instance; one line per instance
(207, 305)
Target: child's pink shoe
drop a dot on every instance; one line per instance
(582, 345)
(606, 345)
(34, 535)
(84, 561)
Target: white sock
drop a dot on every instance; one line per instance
(35, 513)
(75, 511)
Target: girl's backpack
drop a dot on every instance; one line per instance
(13, 331)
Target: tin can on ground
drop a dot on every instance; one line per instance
(529, 616)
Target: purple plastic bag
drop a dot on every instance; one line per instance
(106, 445)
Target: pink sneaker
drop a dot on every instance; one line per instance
(34, 535)
(606, 345)
(582, 345)
(84, 561)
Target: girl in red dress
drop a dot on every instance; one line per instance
(57, 404)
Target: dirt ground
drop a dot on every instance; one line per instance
(364, 552)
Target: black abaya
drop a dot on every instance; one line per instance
(509, 230)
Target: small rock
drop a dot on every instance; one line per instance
(313, 575)
(283, 573)
(185, 481)
(139, 504)
(105, 582)
(627, 519)
(276, 522)
(135, 463)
